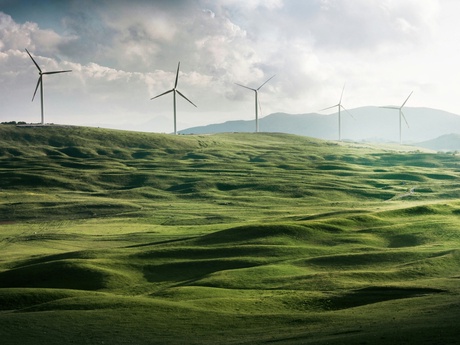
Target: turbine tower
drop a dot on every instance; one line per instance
(401, 116)
(174, 90)
(257, 99)
(339, 107)
(40, 83)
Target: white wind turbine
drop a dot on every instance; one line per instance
(339, 107)
(174, 90)
(257, 99)
(401, 116)
(40, 82)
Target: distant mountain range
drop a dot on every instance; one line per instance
(372, 124)
(447, 142)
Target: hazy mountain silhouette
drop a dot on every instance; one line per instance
(447, 142)
(369, 124)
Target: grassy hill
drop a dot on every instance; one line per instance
(135, 238)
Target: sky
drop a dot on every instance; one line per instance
(123, 53)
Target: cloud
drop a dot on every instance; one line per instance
(244, 5)
(371, 24)
(19, 36)
(123, 53)
(146, 39)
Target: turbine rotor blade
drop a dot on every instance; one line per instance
(407, 99)
(36, 64)
(164, 93)
(177, 75)
(55, 72)
(347, 111)
(390, 107)
(186, 98)
(330, 107)
(266, 82)
(343, 89)
(260, 108)
(404, 117)
(36, 87)
(246, 87)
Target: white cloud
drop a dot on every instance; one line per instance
(29, 35)
(371, 24)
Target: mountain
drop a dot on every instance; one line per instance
(368, 124)
(447, 142)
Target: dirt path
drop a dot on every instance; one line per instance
(404, 195)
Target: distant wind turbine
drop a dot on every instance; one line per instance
(174, 90)
(339, 107)
(40, 82)
(257, 99)
(401, 116)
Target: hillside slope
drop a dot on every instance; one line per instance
(121, 237)
(447, 142)
(97, 165)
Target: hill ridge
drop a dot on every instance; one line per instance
(370, 123)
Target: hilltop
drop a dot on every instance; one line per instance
(447, 142)
(122, 237)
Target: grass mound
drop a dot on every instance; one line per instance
(279, 233)
(63, 274)
(373, 294)
(26, 298)
(419, 210)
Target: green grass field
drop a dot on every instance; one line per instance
(116, 237)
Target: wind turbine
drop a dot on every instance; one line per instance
(401, 116)
(339, 107)
(174, 90)
(40, 82)
(257, 99)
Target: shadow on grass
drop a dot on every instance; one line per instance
(374, 294)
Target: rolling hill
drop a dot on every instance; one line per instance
(447, 142)
(369, 124)
(238, 238)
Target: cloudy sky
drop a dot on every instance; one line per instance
(123, 53)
